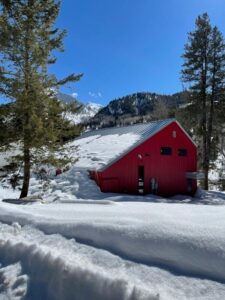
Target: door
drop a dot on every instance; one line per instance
(141, 179)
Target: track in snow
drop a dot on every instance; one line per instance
(59, 268)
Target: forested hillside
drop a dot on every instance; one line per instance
(138, 107)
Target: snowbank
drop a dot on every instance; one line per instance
(58, 274)
(53, 267)
(13, 284)
(187, 239)
(121, 247)
(8, 193)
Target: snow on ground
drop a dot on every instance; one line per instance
(54, 267)
(13, 284)
(5, 155)
(183, 239)
(142, 246)
(79, 243)
(75, 185)
(174, 250)
(217, 173)
(8, 193)
(72, 270)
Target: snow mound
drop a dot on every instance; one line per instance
(8, 193)
(13, 284)
(61, 273)
(39, 266)
(186, 239)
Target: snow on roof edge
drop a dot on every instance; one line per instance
(185, 132)
(167, 122)
(114, 128)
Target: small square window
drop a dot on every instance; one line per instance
(166, 151)
(182, 152)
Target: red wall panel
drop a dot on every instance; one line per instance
(168, 170)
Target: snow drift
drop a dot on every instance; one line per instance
(50, 277)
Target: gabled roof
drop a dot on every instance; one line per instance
(98, 149)
(143, 130)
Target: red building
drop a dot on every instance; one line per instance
(162, 161)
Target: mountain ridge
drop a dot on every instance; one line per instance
(138, 107)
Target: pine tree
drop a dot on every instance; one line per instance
(27, 39)
(161, 110)
(203, 70)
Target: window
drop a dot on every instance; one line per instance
(166, 151)
(182, 152)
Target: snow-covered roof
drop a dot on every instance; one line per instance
(100, 148)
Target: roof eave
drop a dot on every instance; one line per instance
(135, 146)
(186, 133)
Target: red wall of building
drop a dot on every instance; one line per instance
(168, 170)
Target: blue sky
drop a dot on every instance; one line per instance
(128, 46)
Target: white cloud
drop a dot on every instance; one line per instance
(74, 95)
(91, 94)
(95, 94)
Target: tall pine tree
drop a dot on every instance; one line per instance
(27, 38)
(204, 71)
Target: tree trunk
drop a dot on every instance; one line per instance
(26, 151)
(206, 179)
(26, 177)
(205, 161)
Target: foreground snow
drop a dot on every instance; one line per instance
(78, 243)
(115, 250)
(70, 271)
(53, 267)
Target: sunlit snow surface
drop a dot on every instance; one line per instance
(98, 148)
(97, 151)
(79, 243)
(84, 114)
(82, 248)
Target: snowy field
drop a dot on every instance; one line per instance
(78, 243)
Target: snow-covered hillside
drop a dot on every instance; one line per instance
(85, 113)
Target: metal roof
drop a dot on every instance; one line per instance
(143, 131)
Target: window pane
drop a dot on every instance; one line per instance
(182, 152)
(166, 150)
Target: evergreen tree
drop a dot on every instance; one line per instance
(27, 39)
(204, 71)
(160, 111)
